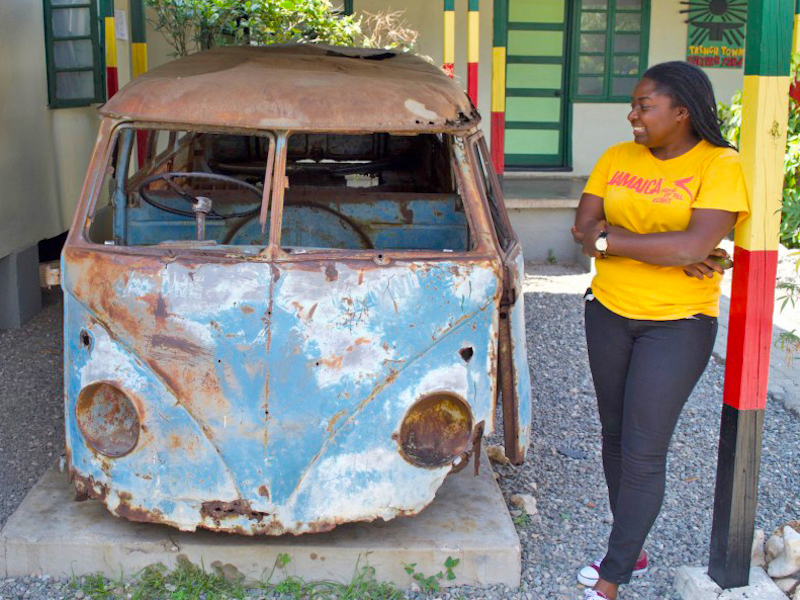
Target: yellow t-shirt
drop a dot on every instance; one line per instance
(646, 195)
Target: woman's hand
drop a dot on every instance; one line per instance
(707, 267)
(589, 239)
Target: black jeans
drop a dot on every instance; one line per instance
(643, 374)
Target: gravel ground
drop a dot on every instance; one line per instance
(32, 425)
(563, 471)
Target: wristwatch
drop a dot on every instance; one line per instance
(601, 243)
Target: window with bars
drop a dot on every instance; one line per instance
(610, 48)
(74, 53)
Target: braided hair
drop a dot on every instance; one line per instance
(689, 86)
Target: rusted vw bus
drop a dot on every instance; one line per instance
(292, 293)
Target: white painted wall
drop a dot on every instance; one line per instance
(43, 152)
(597, 126)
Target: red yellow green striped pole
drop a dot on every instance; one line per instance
(473, 48)
(794, 90)
(138, 39)
(139, 61)
(765, 105)
(112, 76)
(449, 66)
(499, 41)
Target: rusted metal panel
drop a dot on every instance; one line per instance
(271, 395)
(301, 87)
(513, 362)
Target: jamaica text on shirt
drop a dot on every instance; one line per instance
(654, 187)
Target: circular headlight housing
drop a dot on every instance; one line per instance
(107, 419)
(436, 430)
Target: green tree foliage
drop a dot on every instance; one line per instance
(190, 25)
(731, 116)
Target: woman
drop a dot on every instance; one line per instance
(652, 214)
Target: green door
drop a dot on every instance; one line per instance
(536, 134)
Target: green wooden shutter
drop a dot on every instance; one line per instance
(609, 50)
(74, 53)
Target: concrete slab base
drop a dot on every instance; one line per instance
(693, 583)
(52, 534)
(20, 294)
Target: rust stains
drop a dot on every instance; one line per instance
(436, 430)
(248, 310)
(218, 510)
(176, 343)
(127, 510)
(173, 441)
(406, 212)
(160, 312)
(87, 487)
(335, 418)
(334, 362)
(263, 491)
(331, 274)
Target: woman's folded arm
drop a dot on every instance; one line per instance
(706, 229)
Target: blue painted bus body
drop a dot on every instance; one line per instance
(271, 393)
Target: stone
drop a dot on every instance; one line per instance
(773, 547)
(788, 561)
(787, 584)
(526, 502)
(497, 454)
(571, 452)
(757, 556)
(796, 594)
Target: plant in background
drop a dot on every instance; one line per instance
(281, 21)
(190, 25)
(731, 116)
(388, 30)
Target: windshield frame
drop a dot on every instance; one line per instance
(111, 129)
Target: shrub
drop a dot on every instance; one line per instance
(190, 25)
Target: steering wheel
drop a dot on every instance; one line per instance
(168, 178)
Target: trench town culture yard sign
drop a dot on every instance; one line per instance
(716, 32)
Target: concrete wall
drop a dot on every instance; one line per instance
(43, 152)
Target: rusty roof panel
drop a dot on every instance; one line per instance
(304, 87)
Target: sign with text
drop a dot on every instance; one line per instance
(716, 32)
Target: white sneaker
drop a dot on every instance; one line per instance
(589, 574)
(594, 595)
